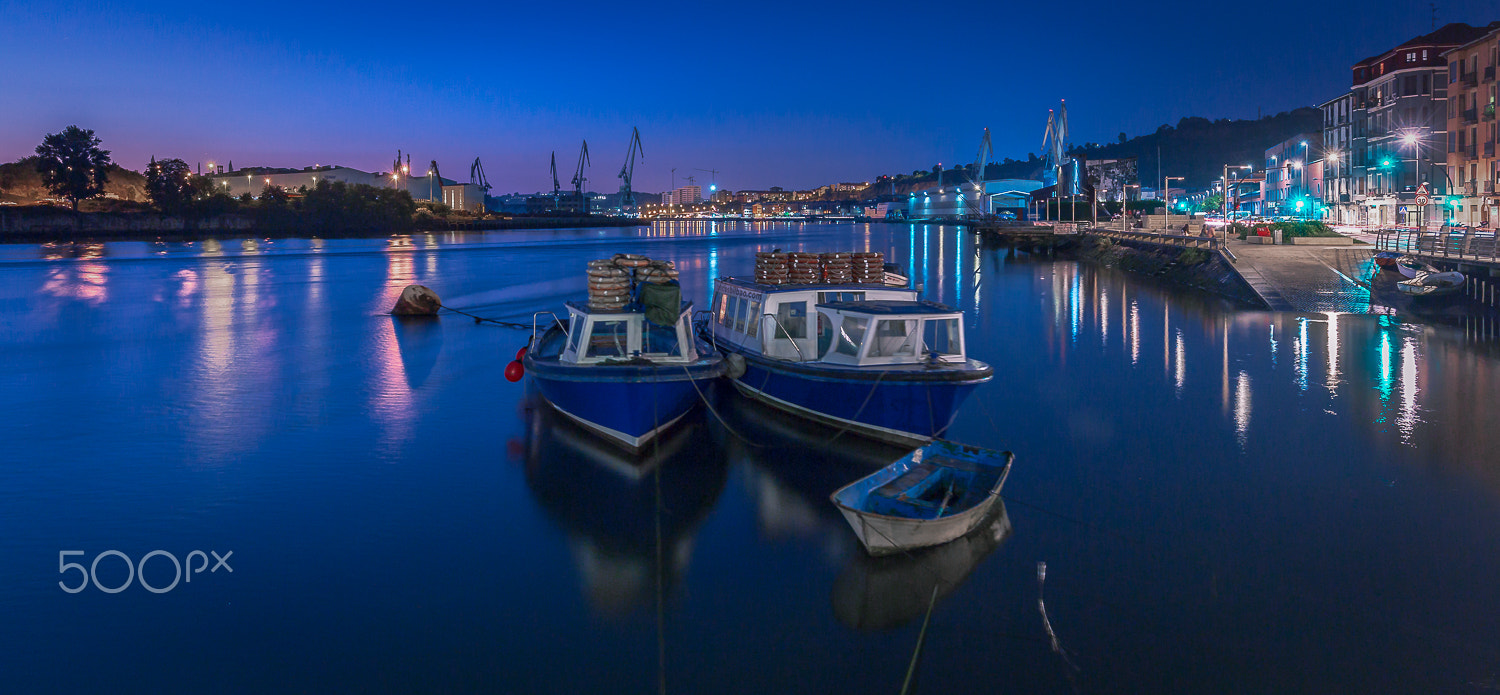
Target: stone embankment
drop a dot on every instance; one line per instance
(1201, 269)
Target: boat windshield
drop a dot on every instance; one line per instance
(943, 337)
(851, 335)
(660, 341)
(894, 338)
(609, 339)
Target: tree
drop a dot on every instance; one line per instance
(1122, 138)
(72, 165)
(169, 184)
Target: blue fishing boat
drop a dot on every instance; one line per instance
(931, 496)
(626, 366)
(867, 357)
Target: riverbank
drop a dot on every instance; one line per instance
(37, 224)
(1199, 269)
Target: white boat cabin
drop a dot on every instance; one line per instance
(602, 336)
(853, 325)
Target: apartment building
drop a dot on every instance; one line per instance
(1472, 135)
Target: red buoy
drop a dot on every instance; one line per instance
(514, 371)
(521, 354)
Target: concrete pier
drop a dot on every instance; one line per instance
(1306, 278)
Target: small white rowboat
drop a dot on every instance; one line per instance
(931, 496)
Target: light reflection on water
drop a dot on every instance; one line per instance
(251, 388)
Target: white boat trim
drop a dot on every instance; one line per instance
(621, 437)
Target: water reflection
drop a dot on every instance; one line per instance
(629, 520)
(1371, 367)
(889, 592)
(794, 466)
(418, 340)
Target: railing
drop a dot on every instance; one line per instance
(1489, 73)
(1470, 151)
(1470, 116)
(1191, 241)
(1470, 78)
(1453, 243)
(1488, 113)
(1470, 189)
(1489, 149)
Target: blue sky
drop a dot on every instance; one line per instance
(788, 94)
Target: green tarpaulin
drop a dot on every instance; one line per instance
(663, 303)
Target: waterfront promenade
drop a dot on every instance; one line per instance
(1305, 278)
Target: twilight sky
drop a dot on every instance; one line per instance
(785, 94)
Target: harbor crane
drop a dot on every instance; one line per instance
(476, 176)
(627, 196)
(579, 179)
(556, 187)
(975, 194)
(713, 184)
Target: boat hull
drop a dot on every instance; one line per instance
(629, 405)
(884, 535)
(903, 408)
(887, 531)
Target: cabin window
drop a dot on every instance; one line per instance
(660, 340)
(720, 309)
(826, 297)
(575, 332)
(825, 333)
(752, 319)
(942, 336)
(791, 320)
(741, 316)
(609, 339)
(730, 312)
(894, 337)
(851, 335)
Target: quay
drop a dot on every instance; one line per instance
(1310, 274)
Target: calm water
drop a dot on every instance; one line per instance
(1225, 501)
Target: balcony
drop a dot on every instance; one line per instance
(1489, 187)
(1470, 151)
(1468, 189)
(1470, 117)
(1488, 113)
(1489, 149)
(1489, 74)
(1469, 79)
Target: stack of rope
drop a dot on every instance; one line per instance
(838, 268)
(869, 268)
(807, 269)
(772, 267)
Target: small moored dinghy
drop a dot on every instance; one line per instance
(930, 496)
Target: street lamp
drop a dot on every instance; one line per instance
(1410, 139)
(1226, 197)
(1167, 197)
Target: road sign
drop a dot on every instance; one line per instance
(1421, 198)
(1422, 190)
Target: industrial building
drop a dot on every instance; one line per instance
(954, 201)
(429, 187)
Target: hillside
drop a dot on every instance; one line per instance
(1196, 148)
(20, 183)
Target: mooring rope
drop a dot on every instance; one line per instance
(481, 319)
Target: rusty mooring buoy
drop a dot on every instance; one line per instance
(417, 300)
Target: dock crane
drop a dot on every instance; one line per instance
(627, 196)
(556, 187)
(975, 195)
(579, 179)
(713, 181)
(476, 176)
